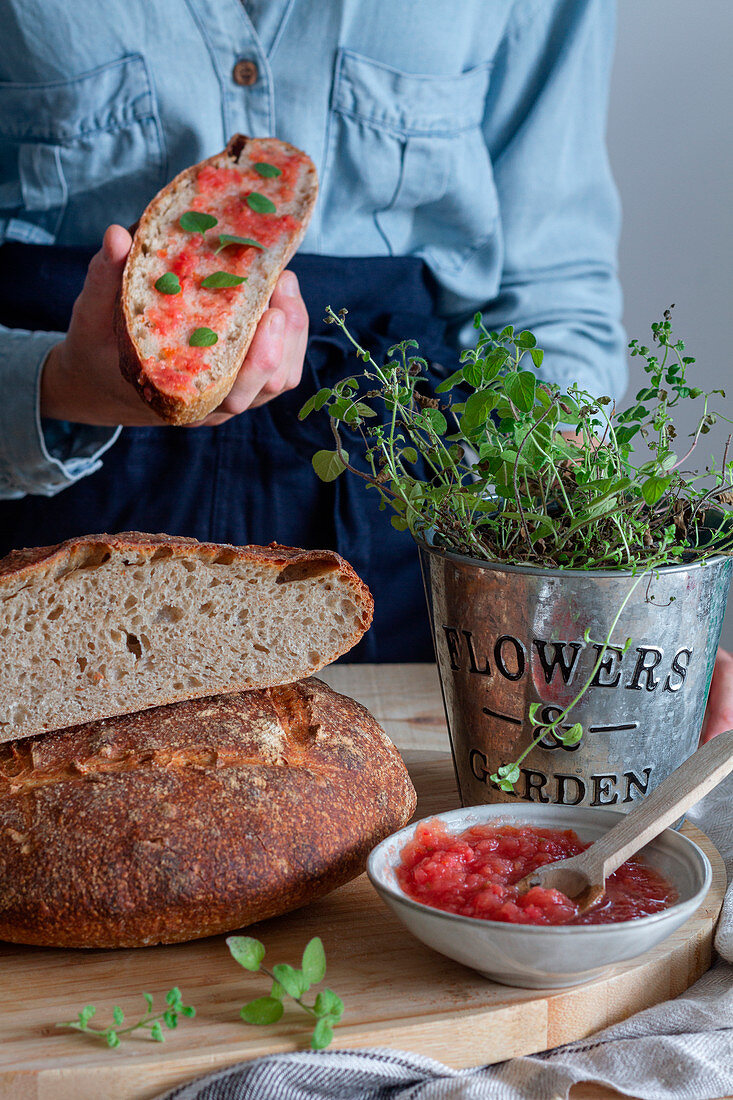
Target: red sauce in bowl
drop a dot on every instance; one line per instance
(472, 873)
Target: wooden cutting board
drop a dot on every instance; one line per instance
(397, 992)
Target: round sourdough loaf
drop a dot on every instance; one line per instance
(192, 819)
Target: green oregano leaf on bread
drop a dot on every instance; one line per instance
(222, 279)
(260, 203)
(168, 284)
(267, 171)
(194, 221)
(202, 338)
(225, 239)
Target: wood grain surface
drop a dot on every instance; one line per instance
(397, 992)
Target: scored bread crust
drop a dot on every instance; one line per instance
(172, 408)
(109, 624)
(192, 819)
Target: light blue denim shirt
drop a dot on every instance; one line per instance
(470, 134)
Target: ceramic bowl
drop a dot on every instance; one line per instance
(535, 956)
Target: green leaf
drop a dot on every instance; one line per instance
(173, 997)
(156, 1032)
(170, 1018)
(654, 489)
(113, 1040)
(449, 382)
(260, 203)
(202, 338)
(533, 711)
(537, 356)
(473, 374)
(409, 454)
(277, 991)
(322, 1035)
(225, 239)
(194, 221)
(86, 1014)
(118, 1015)
(247, 951)
(520, 387)
(316, 402)
(477, 410)
(573, 735)
(293, 981)
(168, 283)
(220, 279)
(262, 1011)
(526, 339)
(625, 435)
(267, 171)
(148, 997)
(437, 420)
(328, 465)
(330, 1004)
(314, 961)
(510, 772)
(188, 1010)
(398, 523)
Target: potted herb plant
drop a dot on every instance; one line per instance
(576, 592)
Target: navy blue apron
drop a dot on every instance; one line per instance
(249, 480)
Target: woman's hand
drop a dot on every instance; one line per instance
(81, 380)
(719, 712)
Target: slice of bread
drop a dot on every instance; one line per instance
(259, 189)
(109, 624)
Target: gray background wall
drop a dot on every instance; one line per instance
(670, 139)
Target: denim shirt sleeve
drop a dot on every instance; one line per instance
(39, 457)
(545, 131)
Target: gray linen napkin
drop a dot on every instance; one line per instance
(680, 1050)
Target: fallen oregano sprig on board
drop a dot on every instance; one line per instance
(152, 1022)
(326, 1010)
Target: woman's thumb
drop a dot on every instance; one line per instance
(96, 303)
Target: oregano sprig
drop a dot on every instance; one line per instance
(327, 1008)
(483, 465)
(151, 1021)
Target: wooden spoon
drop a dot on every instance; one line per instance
(583, 877)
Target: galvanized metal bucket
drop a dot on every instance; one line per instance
(509, 636)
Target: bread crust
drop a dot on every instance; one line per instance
(173, 409)
(46, 566)
(194, 819)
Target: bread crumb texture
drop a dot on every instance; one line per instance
(108, 625)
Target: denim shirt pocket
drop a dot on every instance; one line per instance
(411, 147)
(78, 153)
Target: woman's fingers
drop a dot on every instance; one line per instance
(719, 712)
(274, 362)
(286, 297)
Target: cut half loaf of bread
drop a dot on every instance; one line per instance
(110, 624)
(205, 258)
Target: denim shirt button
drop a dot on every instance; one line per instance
(245, 72)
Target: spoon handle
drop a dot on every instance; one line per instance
(691, 781)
